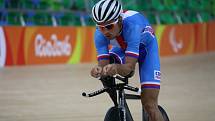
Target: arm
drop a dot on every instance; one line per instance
(132, 35)
(102, 54)
(103, 63)
(121, 69)
(128, 67)
(133, 46)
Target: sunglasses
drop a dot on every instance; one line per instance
(108, 26)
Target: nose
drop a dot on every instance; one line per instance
(105, 31)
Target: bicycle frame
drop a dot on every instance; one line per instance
(123, 111)
(122, 102)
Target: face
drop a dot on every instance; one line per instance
(110, 29)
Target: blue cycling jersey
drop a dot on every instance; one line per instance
(137, 40)
(136, 30)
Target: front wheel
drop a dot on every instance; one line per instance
(113, 114)
(163, 112)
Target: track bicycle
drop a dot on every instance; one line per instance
(120, 111)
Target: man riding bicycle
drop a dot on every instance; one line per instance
(127, 38)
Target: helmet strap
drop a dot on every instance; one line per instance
(120, 25)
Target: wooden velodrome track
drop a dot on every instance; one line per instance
(53, 92)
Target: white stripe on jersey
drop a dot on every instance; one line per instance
(132, 53)
(102, 55)
(117, 56)
(128, 14)
(150, 83)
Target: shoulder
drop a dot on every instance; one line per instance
(131, 17)
(99, 38)
(98, 35)
(129, 13)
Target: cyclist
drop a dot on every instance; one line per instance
(132, 41)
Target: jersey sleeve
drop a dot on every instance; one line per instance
(101, 46)
(133, 41)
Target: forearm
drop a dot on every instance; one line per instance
(125, 69)
(128, 67)
(103, 63)
(121, 69)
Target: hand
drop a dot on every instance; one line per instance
(110, 70)
(96, 71)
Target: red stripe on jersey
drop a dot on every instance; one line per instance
(150, 85)
(121, 42)
(103, 57)
(131, 55)
(125, 11)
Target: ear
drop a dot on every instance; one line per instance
(120, 19)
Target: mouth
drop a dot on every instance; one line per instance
(108, 36)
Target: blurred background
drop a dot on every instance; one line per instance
(47, 51)
(77, 12)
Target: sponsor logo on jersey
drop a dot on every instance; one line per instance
(2, 48)
(149, 29)
(157, 75)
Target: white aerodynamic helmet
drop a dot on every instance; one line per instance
(106, 10)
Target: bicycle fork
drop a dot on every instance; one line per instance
(125, 114)
(121, 99)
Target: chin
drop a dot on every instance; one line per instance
(110, 37)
